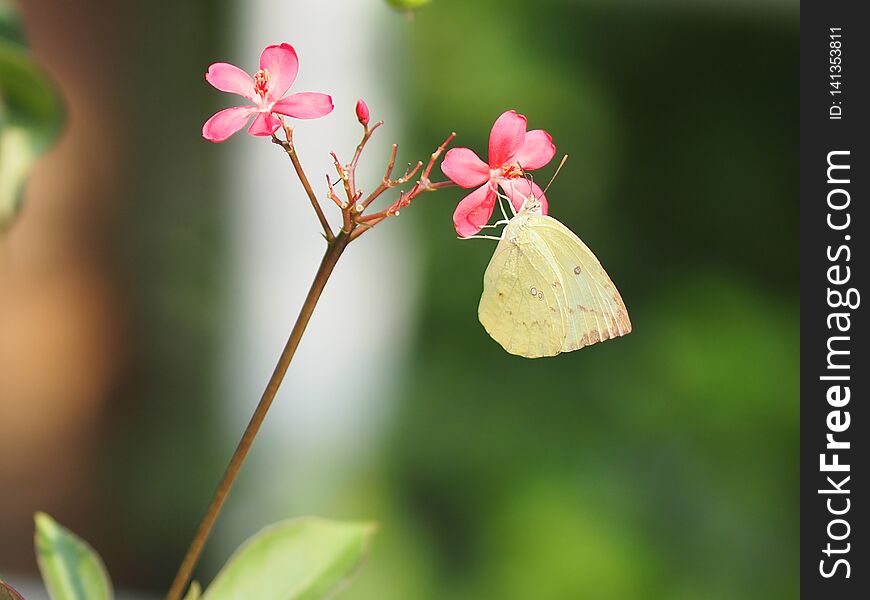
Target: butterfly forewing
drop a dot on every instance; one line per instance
(593, 309)
(521, 304)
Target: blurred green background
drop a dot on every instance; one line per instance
(662, 465)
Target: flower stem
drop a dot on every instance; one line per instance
(334, 251)
(290, 149)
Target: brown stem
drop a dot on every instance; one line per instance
(330, 193)
(294, 158)
(351, 175)
(353, 226)
(441, 184)
(342, 174)
(333, 253)
(361, 228)
(436, 154)
(423, 185)
(388, 183)
(347, 219)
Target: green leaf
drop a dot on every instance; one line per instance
(31, 114)
(194, 592)
(7, 592)
(408, 4)
(299, 559)
(70, 568)
(10, 23)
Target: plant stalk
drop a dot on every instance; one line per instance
(334, 251)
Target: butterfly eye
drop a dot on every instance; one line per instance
(534, 291)
(577, 270)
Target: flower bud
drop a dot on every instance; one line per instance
(362, 112)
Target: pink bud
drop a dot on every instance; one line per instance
(362, 112)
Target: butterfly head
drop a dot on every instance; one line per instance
(532, 206)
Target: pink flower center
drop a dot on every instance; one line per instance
(511, 171)
(261, 82)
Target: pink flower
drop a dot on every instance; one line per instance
(512, 152)
(278, 68)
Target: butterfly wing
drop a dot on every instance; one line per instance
(593, 308)
(520, 306)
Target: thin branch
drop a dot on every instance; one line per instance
(330, 193)
(330, 258)
(386, 180)
(367, 222)
(436, 154)
(342, 174)
(355, 224)
(388, 183)
(294, 158)
(392, 163)
(423, 184)
(351, 170)
(440, 185)
(372, 218)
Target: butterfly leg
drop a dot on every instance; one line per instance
(496, 224)
(480, 237)
(502, 197)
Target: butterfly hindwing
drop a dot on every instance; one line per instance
(521, 304)
(545, 292)
(593, 307)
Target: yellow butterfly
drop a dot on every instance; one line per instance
(544, 292)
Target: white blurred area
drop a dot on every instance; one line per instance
(326, 421)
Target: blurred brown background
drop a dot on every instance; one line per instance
(61, 311)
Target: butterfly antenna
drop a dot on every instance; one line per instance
(553, 178)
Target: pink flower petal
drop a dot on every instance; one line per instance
(506, 137)
(518, 190)
(304, 105)
(230, 78)
(474, 211)
(281, 62)
(264, 124)
(464, 168)
(226, 122)
(536, 150)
